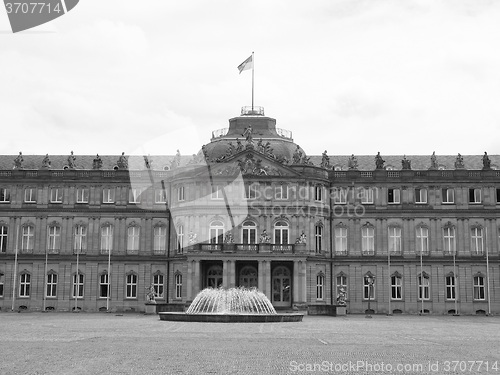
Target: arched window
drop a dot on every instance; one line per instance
(51, 288)
(131, 285)
(160, 239)
(80, 239)
(103, 285)
(158, 282)
(214, 277)
(451, 286)
(216, 232)
(341, 240)
(394, 240)
(396, 286)
(3, 238)
(320, 285)
(449, 240)
(248, 277)
(422, 245)
(318, 237)
(178, 285)
(281, 233)
(180, 239)
(28, 238)
(249, 232)
(54, 239)
(368, 240)
(133, 236)
(368, 286)
(106, 238)
(478, 287)
(476, 237)
(24, 284)
(78, 285)
(423, 286)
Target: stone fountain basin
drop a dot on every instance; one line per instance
(230, 318)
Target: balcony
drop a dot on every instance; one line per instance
(249, 248)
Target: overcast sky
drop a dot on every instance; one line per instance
(347, 76)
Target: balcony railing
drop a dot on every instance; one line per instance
(249, 248)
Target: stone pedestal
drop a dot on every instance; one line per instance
(150, 308)
(264, 248)
(341, 310)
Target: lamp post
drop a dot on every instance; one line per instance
(371, 280)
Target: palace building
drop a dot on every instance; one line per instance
(402, 235)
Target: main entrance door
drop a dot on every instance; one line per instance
(214, 277)
(282, 287)
(248, 277)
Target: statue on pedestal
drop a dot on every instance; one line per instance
(459, 162)
(97, 163)
(297, 156)
(46, 164)
(151, 294)
(71, 161)
(18, 161)
(379, 162)
(264, 237)
(434, 164)
(486, 162)
(352, 163)
(325, 161)
(341, 297)
(405, 163)
(122, 162)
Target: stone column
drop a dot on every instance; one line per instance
(232, 273)
(267, 277)
(303, 282)
(260, 276)
(296, 282)
(225, 273)
(189, 291)
(196, 278)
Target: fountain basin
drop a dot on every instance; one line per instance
(230, 318)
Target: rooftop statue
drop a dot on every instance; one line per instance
(459, 162)
(297, 156)
(18, 161)
(122, 162)
(486, 162)
(405, 163)
(352, 163)
(97, 163)
(46, 164)
(434, 164)
(379, 162)
(325, 160)
(248, 134)
(71, 161)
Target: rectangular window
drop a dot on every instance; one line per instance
(420, 196)
(423, 288)
(158, 285)
(82, 195)
(320, 285)
(178, 286)
(498, 195)
(78, 283)
(54, 242)
(448, 195)
(4, 195)
(24, 285)
(318, 237)
(393, 196)
(366, 195)
(180, 239)
(449, 240)
(251, 191)
(450, 287)
(342, 284)
(51, 290)
(80, 243)
(479, 288)
(477, 241)
(108, 195)
(160, 239)
(368, 240)
(217, 192)
(160, 196)
(27, 241)
(341, 241)
(249, 234)
(281, 192)
(422, 241)
(135, 195)
(3, 238)
(133, 239)
(180, 193)
(340, 195)
(103, 285)
(396, 287)
(395, 240)
(131, 286)
(1, 284)
(106, 239)
(368, 288)
(56, 195)
(30, 195)
(475, 196)
(318, 193)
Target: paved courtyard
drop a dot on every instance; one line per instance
(100, 343)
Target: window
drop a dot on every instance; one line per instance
(250, 191)
(135, 195)
(449, 240)
(281, 192)
(158, 285)
(4, 195)
(368, 240)
(131, 286)
(318, 238)
(340, 196)
(281, 233)
(396, 287)
(108, 195)
(56, 195)
(27, 241)
(160, 196)
(54, 242)
(393, 196)
(423, 287)
(318, 193)
(450, 287)
(320, 285)
(30, 195)
(448, 195)
(180, 193)
(216, 232)
(51, 290)
(474, 195)
(133, 235)
(341, 241)
(498, 195)
(24, 285)
(106, 238)
(342, 284)
(217, 192)
(477, 241)
(3, 238)
(160, 239)
(180, 239)
(422, 241)
(1, 284)
(103, 285)
(80, 243)
(178, 285)
(366, 195)
(395, 240)
(368, 287)
(478, 286)
(249, 232)
(420, 196)
(82, 195)
(78, 283)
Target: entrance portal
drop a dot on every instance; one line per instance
(282, 287)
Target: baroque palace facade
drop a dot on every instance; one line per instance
(401, 235)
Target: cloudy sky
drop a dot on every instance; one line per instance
(347, 76)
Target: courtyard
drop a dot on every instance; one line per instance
(101, 343)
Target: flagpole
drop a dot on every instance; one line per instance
(77, 279)
(46, 276)
(15, 270)
(488, 272)
(253, 68)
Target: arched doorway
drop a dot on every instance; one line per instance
(248, 277)
(214, 277)
(282, 287)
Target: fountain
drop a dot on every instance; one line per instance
(231, 306)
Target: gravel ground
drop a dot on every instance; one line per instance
(85, 343)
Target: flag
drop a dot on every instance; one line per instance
(245, 65)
